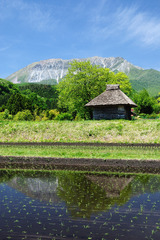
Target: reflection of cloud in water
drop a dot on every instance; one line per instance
(111, 184)
(36, 188)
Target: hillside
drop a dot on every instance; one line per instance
(7, 87)
(148, 79)
(43, 90)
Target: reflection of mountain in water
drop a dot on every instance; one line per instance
(111, 184)
(37, 188)
(83, 194)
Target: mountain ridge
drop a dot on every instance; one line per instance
(57, 68)
(52, 70)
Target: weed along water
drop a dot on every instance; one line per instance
(79, 205)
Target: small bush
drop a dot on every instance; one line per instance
(44, 118)
(37, 118)
(156, 108)
(143, 115)
(5, 115)
(78, 118)
(64, 116)
(23, 116)
(1, 116)
(53, 113)
(152, 116)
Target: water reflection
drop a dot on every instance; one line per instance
(87, 193)
(37, 188)
(69, 203)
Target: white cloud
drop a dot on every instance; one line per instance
(139, 25)
(126, 23)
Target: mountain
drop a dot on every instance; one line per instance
(52, 70)
(55, 69)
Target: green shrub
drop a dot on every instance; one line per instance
(24, 116)
(156, 108)
(145, 102)
(1, 116)
(64, 116)
(7, 115)
(143, 115)
(78, 118)
(152, 116)
(53, 113)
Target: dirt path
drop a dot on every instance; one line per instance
(80, 144)
(80, 164)
(83, 164)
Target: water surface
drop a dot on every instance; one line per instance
(70, 205)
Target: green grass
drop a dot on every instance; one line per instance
(115, 131)
(82, 152)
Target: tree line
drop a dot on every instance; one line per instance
(67, 100)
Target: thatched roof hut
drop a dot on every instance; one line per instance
(111, 104)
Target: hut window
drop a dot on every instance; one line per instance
(121, 108)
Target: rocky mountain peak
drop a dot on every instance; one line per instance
(56, 69)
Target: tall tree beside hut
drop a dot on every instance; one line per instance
(83, 83)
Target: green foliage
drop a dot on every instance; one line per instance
(3, 100)
(43, 95)
(42, 90)
(24, 116)
(64, 116)
(156, 108)
(7, 115)
(52, 114)
(38, 102)
(6, 89)
(122, 79)
(49, 82)
(83, 83)
(148, 79)
(144, 101)
(148, 116)
(18, 102)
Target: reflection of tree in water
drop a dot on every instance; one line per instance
(145, 184)
(5, 175)
(84, 195)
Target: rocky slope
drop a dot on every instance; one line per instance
(55, 69)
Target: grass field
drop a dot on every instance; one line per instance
(82, 152)
(111, 131)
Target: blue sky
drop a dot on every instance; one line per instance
(34, 30)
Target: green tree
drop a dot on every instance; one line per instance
(17, 103)
(123, 80)
(83, 83)
(145, 102)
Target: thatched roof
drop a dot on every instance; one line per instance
(112, 96)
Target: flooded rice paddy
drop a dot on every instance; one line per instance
(74, 205)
